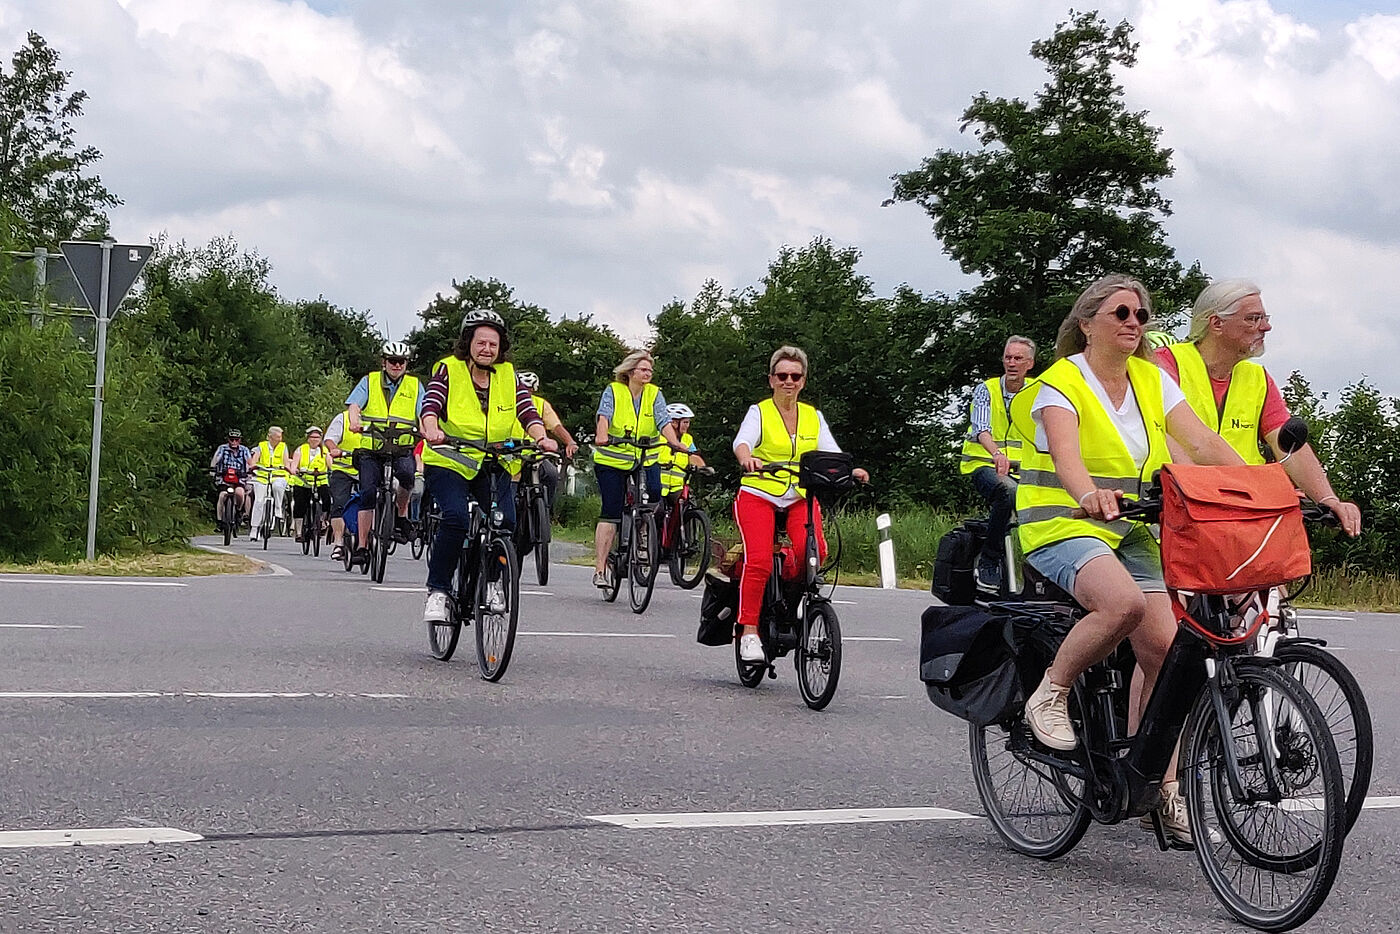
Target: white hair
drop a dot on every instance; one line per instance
(1220, 300)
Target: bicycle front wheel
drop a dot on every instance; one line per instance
(818, 657)
(229, 517)
(1270, 848)
(313, 530)
(542, 535)
(690, 557)
(642, 561)
(497, 608)
(443, 634)
(381, 539)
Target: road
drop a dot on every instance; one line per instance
(359, 785)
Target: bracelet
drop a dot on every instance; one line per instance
(1086, 496)
(1334, 496)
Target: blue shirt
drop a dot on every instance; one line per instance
(225, 457)
(360, 394)
(658, 411)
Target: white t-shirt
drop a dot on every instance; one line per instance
(752, 430)
(1127, 418)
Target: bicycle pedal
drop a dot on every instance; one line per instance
(772, 672)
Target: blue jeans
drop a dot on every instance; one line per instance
(612, 489)
(1000, 494)
(454, 495)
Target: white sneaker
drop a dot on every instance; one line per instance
(435, 610)
(751, 648)
(496, 599)
(1047, 714)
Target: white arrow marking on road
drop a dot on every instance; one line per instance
(36, 626)
(104, 583)
(606, 635)
(96, 836)
(776, 818)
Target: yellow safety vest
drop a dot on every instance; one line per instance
(1238, 422)
(776, 446)
(1006, 437)
(629, 423)
(306, 462)
(464, 418)
(350, 441)
(518, 433)
(1043, 505)
(673, 464)
(405, 406)
(270, 462)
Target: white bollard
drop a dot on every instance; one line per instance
(887, 578)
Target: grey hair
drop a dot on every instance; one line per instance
(1070, 339)
(788, 352)
(1018, 339)
(1219, 299)
(623, 371)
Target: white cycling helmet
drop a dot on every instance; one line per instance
(394, 349)
(485, 316)
(530, 380)
(678, 411)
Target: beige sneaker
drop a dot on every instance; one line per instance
(1175, 822)
(1047, 713)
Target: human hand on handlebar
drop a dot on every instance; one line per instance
(750, 464)
(570, 449)
(1002, 463)
(1348, 515)
(432, 434)
(548, 445)
(861, 475)
(1102, 504)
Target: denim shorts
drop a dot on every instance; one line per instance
(1138, 552)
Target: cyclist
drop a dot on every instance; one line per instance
(1235, 395)
(992, 448)
(390, 392)
(310, 456)
(778, 430)
(631, 407)
(549, 471)
(230, 465)
(673, 463)
(269, 466)
(341, 444)
(1095, 425)
(473, 394)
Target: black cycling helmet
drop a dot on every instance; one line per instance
(234, 433)
(485, 316)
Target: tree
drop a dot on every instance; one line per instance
(341, 338)
(44, 186)
(1059, 192)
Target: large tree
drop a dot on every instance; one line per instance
(1058, 192)
(46, 190)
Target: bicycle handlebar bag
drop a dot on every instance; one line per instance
(1231, 529)
(826, 471)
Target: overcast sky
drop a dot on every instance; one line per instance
(607, 156)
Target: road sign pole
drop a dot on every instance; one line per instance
(97, 394)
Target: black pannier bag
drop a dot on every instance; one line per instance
(953, 582)
(719, 607)
(826, 471)
(967, 661)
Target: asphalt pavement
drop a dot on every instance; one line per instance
(309, 767)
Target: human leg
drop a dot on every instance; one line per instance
(612, 486)
(451, 491)
(369, 469)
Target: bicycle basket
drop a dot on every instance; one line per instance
(825, 471)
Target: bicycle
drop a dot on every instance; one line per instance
(230, 516)
(488, 577)
(686, 536)
(312, 531)
(796, 615)
(390, 431)
(636, 550)
(1257, 753)
(264, 475)
(532, 520)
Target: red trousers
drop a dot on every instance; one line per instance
(757, 518)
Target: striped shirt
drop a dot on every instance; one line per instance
(435, 399)
(982, 408)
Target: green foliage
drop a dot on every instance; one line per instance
(45, 188)
(343, 339)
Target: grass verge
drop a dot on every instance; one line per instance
(189, 562)
(1340, 589)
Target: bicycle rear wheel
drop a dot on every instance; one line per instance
(1270, 855)
(818, 656)
(1034, 810)
(443, 636)
(616, 565)
(690, 555)
(313, 532)
(542, 536)
(229, 517)
(497, 608)
(642, 561)
(381, 538)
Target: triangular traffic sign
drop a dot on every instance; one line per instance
(85, 262)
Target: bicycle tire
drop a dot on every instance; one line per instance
(542, 535)
(314, 532)
(693, 538)
(818, 655)
(229, 515)
(495, 631)
(419, 543)
(1343, 700)
(347, 547)
(615, 564)
(381, 539)
(642, 562)
(1037, 798)
(750, 673)
(443, 636)
(1309, 867)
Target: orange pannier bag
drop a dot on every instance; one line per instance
(1231, 529)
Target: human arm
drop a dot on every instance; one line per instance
(555, 426)
(434, 401)
(355, 403)
(1308, 475)
(747, 438)
(981, 429)
(1199, 443)
(826, 441)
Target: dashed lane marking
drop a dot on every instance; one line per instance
(703, 819)
(95, 836)
(604, 635)
(870, 639)
(36, 626)
(88, 582)
(235, 695)
(1334, 619)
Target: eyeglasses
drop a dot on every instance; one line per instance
(784, 377)
(396, 361)
(1256, 320)
(1123, 311)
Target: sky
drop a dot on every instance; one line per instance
(609, 156)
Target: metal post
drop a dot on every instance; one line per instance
(41, 281)
(97, 393)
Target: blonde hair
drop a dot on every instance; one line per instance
(1071, 340)
(1219, 299)
(623, 371)
(788, 352)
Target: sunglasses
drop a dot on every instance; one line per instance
(396, 361)
(784, 377)
(1123, 311)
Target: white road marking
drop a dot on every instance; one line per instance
(422, 590)
(1381, 801)
(241, 695)
(845, 602)
(90, 582)
(870, 639)
(536, 593)
(36, 626)
(1336, 619)
(605, 635)
(776, 818)
(95, 836)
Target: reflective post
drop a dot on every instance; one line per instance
(97, 393)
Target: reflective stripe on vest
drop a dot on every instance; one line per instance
(307, 463)
(1005, 436)
(270, 462)
(404, 405)
(776, 446)
(1238, 422)
(629, 421)
(1043, 506)
(463, 417)
(673, 464)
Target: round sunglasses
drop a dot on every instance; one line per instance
(1123, 311)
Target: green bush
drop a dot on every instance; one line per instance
(577, 512)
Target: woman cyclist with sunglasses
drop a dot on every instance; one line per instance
(1098, 420)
